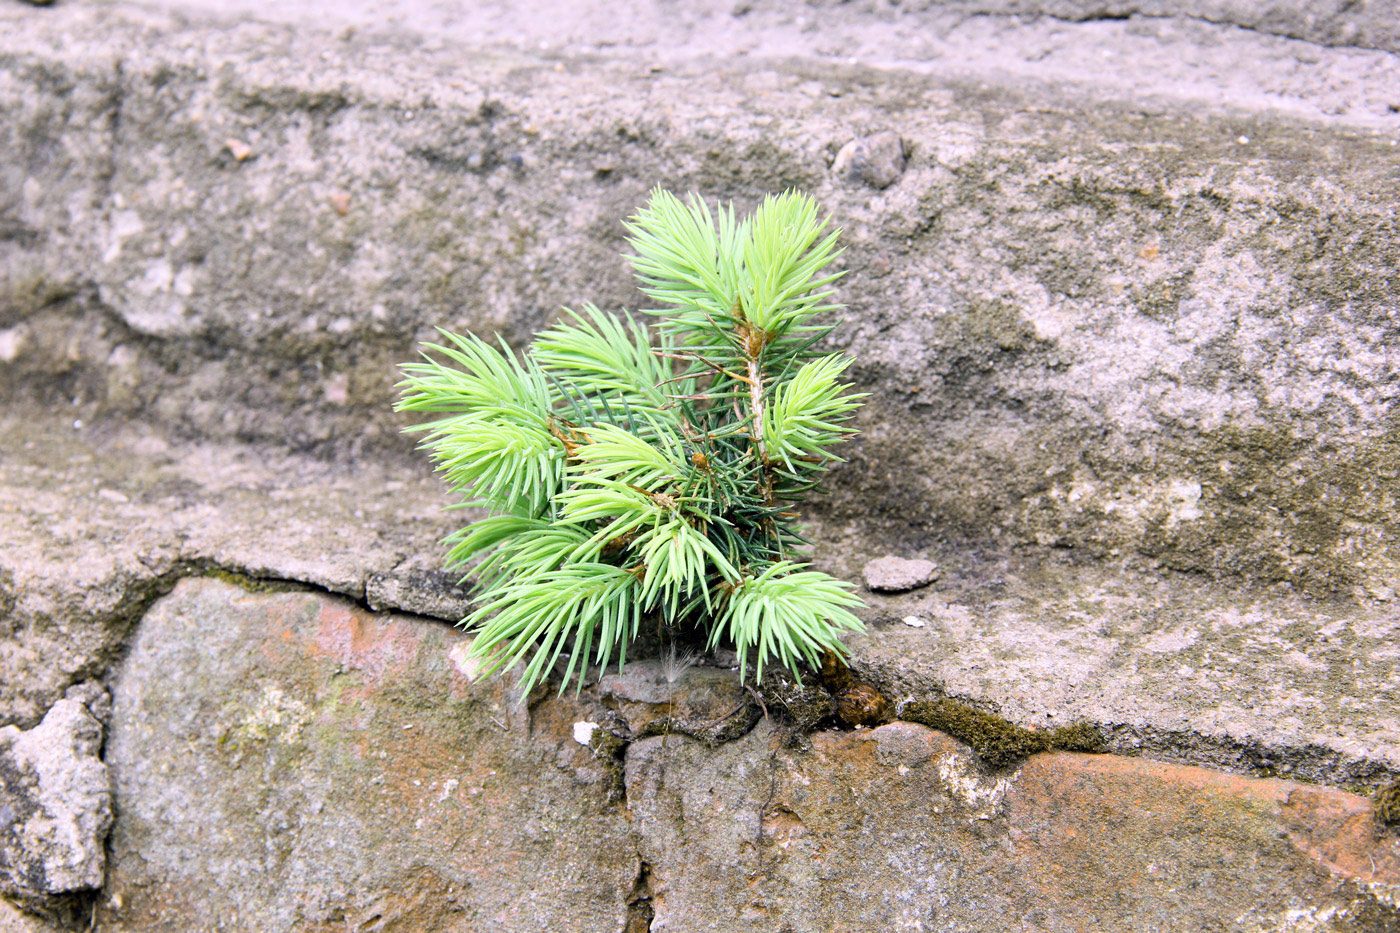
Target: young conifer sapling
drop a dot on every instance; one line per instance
(638, 473)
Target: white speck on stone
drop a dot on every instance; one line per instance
(184, 282)
(11, 343)
(449, 787)
(124, 224)
(337, 389)
(914, 621)
(583, 731)
(1185, 499)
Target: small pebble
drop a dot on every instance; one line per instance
(238, 149)
(876, 160)
(898, 574)
(340, 202)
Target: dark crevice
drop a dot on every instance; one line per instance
(814, 705)
(1309, 764)
(639, 910)
(774, 768)
(117, 104)
(610, 749)
(1113, 16)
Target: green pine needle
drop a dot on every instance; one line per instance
(648, 473)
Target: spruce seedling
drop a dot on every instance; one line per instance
(640, 473)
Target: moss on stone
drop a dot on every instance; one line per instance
(997, 742)
(1079, 737)
(252, 584)
(1388, 804)
(610, 750)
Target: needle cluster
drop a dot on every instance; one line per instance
(638, 472)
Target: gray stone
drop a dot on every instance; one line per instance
(876, 160)
(55, 806)
(14, 920)
(1243, 678)
(673, 695)
(93, 695)
(898, 574)
(1373, 25)
(1252, 681)
(99, 523)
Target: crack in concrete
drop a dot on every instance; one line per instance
(640, 912)
(1310, 763)
(117, 102)
(1131, 14)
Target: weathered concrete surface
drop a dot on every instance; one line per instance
(1087, 322)
(98, 522)
(14, 920)
(292, 762)
(1251, 681)
(1128, 327)
(55, 807)
(1374, 24)
(898, 828)
(1123, 38)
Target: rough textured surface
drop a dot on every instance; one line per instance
(98, 522)
(672, 695)
(1166, 665)
(899, 828)
(1250, 680)
(1123, 288)
(14, 920)
(1035, 36)
(55, 806)
(289, 761)
(1087, 322)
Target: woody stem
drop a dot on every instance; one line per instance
(755, 381)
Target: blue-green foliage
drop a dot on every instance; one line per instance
(637, 471)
